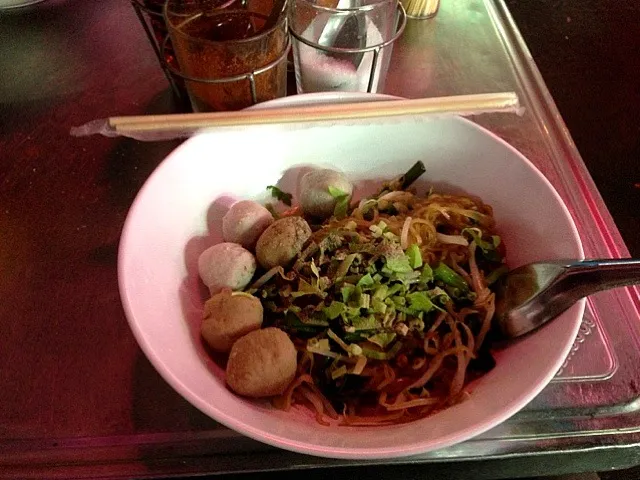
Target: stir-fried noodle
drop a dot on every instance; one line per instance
(389, 307)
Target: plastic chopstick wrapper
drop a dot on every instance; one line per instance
(175, 126)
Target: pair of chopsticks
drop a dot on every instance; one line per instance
(461, 105)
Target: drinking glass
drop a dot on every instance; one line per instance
(231, 53)
(345, 46)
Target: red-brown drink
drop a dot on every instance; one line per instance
(215, 44)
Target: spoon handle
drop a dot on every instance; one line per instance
(590, 276)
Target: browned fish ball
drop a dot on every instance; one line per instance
(229, 316)
(282, 241)
(262, 363)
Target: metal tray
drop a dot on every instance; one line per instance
(471, 46)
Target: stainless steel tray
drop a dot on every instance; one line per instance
(593, 404)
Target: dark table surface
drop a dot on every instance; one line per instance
(63, 200)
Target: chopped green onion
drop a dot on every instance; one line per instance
(284, 197)
(355, 350)
(353, 336)
(391, 236)
(396, 288)
(420, 302)
(293, 322)
(399, 300)
(314, 268)
(376, 355)
(365, 323)
(427, 274)
(336, 192)
(378, 306)
(334, 310)
(305, 288)
(376, 230)
(344, 266)
(365, 300)
(342, 207)
(450, 277)
(365, 281)
(416, 324)
(382, 339)
(381, 292)
(414, 256)
(346, 291)
(437, 294)
(398, 264)
(489, 249)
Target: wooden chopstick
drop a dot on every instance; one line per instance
(463, 104)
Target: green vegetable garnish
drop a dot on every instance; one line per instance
(305, 288)
(381, 292)
(292, 322)
(427, 274)
(365, 301)
(342, 207)
(439, 295)
(382, 339)
(346, 291)
(420, 302)
(365, 281)
(344, 266)
(450, 277)
(365, 323)
(414, 256)
(336, 192)
(398, 264)
(376, 355)
(342, 202)
(489, 249)
(378, 306)
(284, 197)
(334, 310)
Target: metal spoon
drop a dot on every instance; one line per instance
(346, 31)
(533, 294)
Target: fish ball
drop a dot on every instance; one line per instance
(229, 316)
(315, 198)
(226, 265)
(244, 223)
(282, 241)
(262, 363)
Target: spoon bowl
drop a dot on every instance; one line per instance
(531, 295)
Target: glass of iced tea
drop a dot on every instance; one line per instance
(231, 53)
